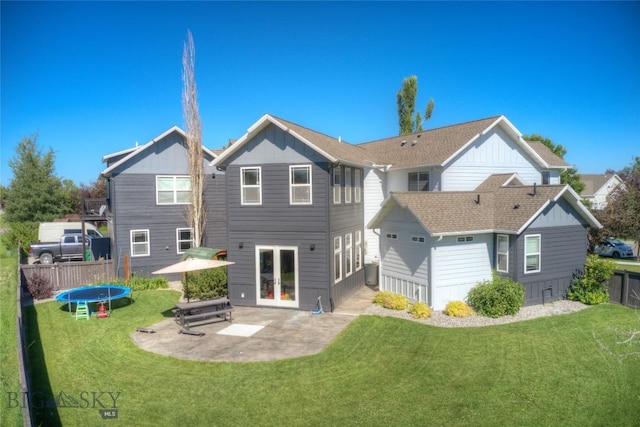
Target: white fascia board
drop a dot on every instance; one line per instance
(385, 207)
(119, 153)
(464, 147)
(464, 233)
(257, 126)
(534, 216)
(312, 146)
(140, 149)
(575, 201)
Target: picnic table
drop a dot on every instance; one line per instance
(196, 311)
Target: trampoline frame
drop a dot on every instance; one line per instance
(65, 296)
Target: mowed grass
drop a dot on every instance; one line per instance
(558, 371)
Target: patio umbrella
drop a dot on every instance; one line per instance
(192, 264)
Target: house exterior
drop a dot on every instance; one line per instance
(452, 158)
(597, 188)
(148, 193)
(295, 216)
(435, 246)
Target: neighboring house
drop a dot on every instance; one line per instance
(435, 246)
(148, 193)
(597, 188)
(452, 158)
(295, 216)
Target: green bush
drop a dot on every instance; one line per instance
(379, 297)
(20, 232)
(589, 286)
(140, 283)
(497, 297)
(420, 310)
(458, 309)
(205, 284)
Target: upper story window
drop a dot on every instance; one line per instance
(139, 240)
(184, 239)
(532, 253)
(418, 181)
(418, 239)
(546, 178)
(300, 185)
(502, 253)
(347, 185)
(357, 186)
(337, 184)
(173, 190)
(251, 186)
(392, 236)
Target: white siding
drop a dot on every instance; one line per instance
(374, 194)
(457, 267)
(493, 153)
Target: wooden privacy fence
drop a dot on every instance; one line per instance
(69, 275)
(624, 288)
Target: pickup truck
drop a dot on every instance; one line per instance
(68, 248)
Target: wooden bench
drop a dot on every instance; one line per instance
(196, 311)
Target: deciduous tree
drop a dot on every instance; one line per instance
(406, 102)
(196, 213)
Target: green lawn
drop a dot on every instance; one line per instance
(379, 371)
(558, 371)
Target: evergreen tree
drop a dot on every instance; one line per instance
(35, 193)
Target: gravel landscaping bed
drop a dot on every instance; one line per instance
(438, 318)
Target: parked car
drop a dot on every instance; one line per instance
(69, 247)
(614, 248)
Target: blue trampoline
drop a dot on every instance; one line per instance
(97, 294)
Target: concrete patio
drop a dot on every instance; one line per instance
(256, 333)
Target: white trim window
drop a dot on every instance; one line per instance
(300, 185)
(418, 181)
(139, 241)
(357, 186)
(348, 254)
(251, 185)
(418, 239)
(337, 258)
(173, 190)
(463, 239)
(532, 253)
(347, 185)
(337, 184)
(184, 239)
(392, 236)
(358, 250)
(502, 253)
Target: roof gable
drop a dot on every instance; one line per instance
(333, 149)
(132, 153)
(595, 182)
(509, 209)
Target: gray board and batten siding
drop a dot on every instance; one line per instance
(276, 222)
(564, 246)
(132, 188)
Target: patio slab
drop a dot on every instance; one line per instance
(256, 333)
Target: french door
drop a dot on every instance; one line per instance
(277, 276)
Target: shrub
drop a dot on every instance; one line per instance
(40, 286)
(396, 302)
(139, 283)
(20, 232)
(420, 310)
(458, 309)
(379, 297)
(588, 286)
(205, 284)
(497, 297)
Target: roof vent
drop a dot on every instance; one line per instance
(339, 139)
(478, 199)
(516, 206)
(414, 142)
(402, 144)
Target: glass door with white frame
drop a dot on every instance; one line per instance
(277, 275)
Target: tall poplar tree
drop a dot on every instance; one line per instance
(196, 213)
(406, 102)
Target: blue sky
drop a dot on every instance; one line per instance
(92, 78)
